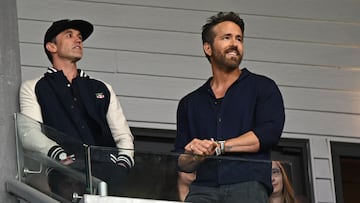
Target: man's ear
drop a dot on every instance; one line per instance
(207, 49)
(51, 46)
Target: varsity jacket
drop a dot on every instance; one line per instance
(85, 110)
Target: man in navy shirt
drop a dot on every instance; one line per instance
(236, 113)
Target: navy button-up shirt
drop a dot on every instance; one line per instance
(252, 103)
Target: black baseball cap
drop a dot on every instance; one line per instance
(83, 26)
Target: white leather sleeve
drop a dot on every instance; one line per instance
(119, 127)
(29, 126)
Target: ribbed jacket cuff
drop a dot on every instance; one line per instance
(122, 160)
(56, 152)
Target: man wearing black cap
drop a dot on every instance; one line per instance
(66, 99)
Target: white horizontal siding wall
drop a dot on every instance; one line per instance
(150, 51)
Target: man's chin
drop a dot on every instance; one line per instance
(236, 59)
(76, 59)
(230, 68)
(233, 64)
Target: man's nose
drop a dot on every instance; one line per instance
(235, 42)
(78, 39)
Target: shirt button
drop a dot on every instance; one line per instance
(219, 120)
(68, 85)
(75, 99)
(215, 103)
(72, 106)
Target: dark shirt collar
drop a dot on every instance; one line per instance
(244, 73)
(81, 73)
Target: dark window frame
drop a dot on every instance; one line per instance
(301, 147)
(338, 150)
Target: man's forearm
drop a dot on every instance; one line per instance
(189, 162)
(247, 142)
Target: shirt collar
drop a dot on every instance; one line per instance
(81, 73)
(244, 73)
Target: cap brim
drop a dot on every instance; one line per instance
(84, 27)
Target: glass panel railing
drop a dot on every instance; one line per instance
(101, 170)
(154, 176)
(63, 178)
(161, 176)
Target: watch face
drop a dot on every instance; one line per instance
(217, 151)
(62, 156)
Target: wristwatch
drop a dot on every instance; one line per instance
(222, 146)
(217, 151)
(62, 156)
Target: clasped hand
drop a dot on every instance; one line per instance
(201, 147)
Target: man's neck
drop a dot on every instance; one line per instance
(68, 68)
(223, 80)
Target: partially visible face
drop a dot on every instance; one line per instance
(277, 180)
(226, 52)
(69, 45)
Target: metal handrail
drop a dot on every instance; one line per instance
(25, 192)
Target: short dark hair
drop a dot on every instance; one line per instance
(208, 34)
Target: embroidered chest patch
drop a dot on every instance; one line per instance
(99, 95)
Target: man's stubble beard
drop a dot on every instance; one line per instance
(227, 64)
